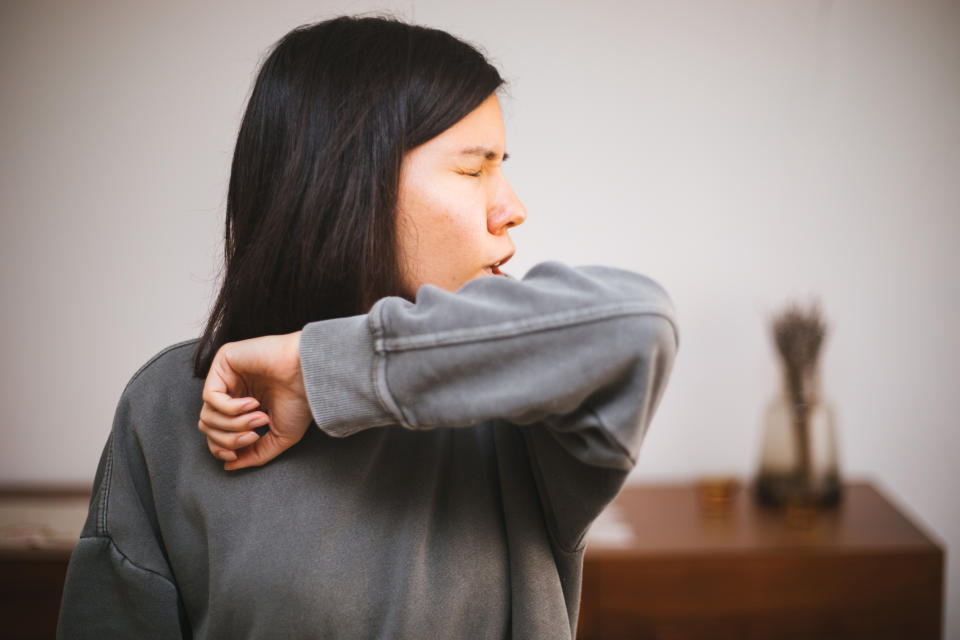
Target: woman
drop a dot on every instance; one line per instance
(448, 433)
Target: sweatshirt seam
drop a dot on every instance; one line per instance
(113, 544)
(380, 387)
(518, 327)
(104, 497)
(105, 490)
(505, 330)
(384, 397)
(103, 531)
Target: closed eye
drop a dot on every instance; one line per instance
(475, 175)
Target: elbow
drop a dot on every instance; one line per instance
(649, 343)
(656, 350)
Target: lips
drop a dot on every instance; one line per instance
(494, 269)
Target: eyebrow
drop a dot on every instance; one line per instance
(486, 152)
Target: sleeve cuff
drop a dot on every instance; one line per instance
(337, 362)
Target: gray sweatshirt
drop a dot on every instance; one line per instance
(463, 445)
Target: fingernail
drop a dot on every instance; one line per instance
(244, 440)
(259, 421)
(252, 404)
(226, 455)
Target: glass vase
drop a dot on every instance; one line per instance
(799, 464)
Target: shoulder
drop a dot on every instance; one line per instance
(173, 361)
(165, 378)
(155, 422)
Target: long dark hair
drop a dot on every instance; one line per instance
(311, 206)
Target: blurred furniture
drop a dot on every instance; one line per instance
(38, 530)
(663, 563)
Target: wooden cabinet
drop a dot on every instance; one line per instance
(38, 530)
(660, 565)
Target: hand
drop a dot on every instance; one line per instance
(262, 372)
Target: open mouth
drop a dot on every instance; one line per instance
(494, 269)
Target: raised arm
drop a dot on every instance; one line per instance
(577, 357)
(562, 339)
(550, 345)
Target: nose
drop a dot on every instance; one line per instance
(507, 210)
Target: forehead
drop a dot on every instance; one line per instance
(480, 133)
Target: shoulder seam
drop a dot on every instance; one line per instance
(107, 481)
(113, 544)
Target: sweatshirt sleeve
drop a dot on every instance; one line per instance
(578, 357)
(118, 582)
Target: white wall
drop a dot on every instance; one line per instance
(742, 153)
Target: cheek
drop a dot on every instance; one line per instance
(442, 227)
(442, 216)
(447, 246)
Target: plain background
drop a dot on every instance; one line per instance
(744, 154)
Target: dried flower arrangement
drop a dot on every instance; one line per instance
(798, 335)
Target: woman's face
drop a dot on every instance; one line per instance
(455, 205)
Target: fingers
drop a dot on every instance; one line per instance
(218, 452)
(221, 376)
(268, 447)
(221, 381)
(226, 404)
(226, 434)
(239, 371)
(212, 419)
(229, 440)
(223, 446)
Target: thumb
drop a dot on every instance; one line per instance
(268, 447)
